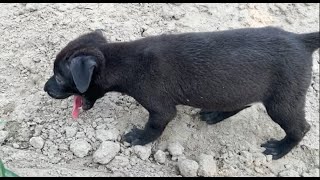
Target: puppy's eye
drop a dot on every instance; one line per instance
(59, 80)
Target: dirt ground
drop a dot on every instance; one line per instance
(38, 131)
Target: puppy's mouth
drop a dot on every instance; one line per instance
(79, 101)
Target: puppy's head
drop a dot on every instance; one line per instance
(76, 69)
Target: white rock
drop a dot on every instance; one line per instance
(15, 145)
(106, 152)
(289, 173)
(207, 166)
(70, 131)
(3, 136)
(107, 135)
(37, 142)
(188, 168)
(175, 149)
(80, 147)
(94, 124)
(143, 152)
(160, 157)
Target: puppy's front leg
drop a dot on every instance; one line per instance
(156, 124)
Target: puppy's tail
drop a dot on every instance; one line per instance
(311, 40)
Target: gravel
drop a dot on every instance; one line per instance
(175, 149)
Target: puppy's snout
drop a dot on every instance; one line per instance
(45, 88)
(48, 86)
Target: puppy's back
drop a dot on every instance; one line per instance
(227, 67)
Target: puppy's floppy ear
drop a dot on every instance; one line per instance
(82, 69)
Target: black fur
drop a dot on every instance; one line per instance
(220, 72)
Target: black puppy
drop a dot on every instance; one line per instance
(220, 72)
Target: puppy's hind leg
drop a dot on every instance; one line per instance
(291, 118)
(213, 117)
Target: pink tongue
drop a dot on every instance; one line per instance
(77, 103)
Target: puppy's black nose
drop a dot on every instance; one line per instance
(45, 88)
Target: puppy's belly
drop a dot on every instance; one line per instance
(228, 97)
(219, 105)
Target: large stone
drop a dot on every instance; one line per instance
(207, 166)
(160, 157)
(175, 149)
(106, 152)
(80, 148)
(70, 131)
(188, 168)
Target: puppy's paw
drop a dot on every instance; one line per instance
(134, 137)
(276, 148)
